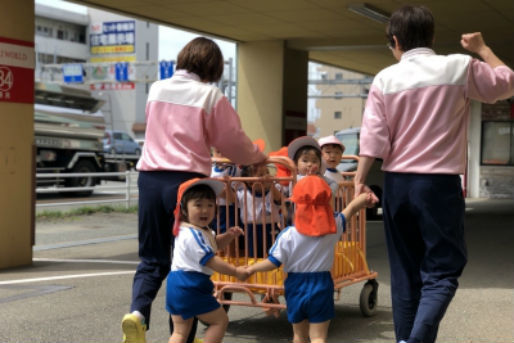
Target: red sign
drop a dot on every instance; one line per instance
(16, 71)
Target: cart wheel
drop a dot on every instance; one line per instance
(368, 298)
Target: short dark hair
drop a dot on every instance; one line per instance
(195, 192)
(413, 26)
(203, 57)
(305, 149)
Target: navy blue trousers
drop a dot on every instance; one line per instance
(424, 227)
(157, 200)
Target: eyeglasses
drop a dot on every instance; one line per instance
(389, 46)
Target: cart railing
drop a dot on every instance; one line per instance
(263, 289)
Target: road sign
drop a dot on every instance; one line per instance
(121, 69)
(73, 73)
(166, 69)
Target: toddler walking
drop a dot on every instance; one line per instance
(189, 291)
(306, 250)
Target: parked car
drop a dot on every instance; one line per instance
(375, 179)
(119, 142)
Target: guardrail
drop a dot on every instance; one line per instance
(126, 189)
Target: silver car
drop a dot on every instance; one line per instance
(119, 142)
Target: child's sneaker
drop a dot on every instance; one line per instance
(133, 329)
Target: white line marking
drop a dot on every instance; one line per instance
(42, 259)
(64, 277)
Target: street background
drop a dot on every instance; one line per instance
(79, 287)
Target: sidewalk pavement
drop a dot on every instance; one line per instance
(79, 287)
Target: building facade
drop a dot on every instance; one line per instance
(340, 96)
(112, 55)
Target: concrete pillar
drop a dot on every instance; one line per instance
(272, 92)
(16, 132)
(474, 137)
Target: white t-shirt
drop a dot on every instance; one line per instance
(194, 247)
(333, 174)
(222, 170)
(258, 205)
(306, 254)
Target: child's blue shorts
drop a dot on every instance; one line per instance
(309, 296)
(189, 294)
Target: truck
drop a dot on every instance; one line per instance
(68, 133)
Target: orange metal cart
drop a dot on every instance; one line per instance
(263, 289)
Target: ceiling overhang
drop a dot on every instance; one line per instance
(327, 29)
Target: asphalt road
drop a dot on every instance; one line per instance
(79, 287)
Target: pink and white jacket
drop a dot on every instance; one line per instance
(417, 112)
(184, 118)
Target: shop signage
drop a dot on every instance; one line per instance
(16, 71)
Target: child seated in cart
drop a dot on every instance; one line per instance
(306, 154)
(226, 212)
(189, 291)
(260, 204)
(332, 151)
(306, 252)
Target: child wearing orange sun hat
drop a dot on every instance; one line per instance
(306, 251)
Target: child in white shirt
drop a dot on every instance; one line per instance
(332, 151)
(306, 154)
(189, 291)
(259, 204)
(306, 252)
(226, 212)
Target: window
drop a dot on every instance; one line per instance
(337, 115)
(44, 31)
(339, 76)
(498, 143)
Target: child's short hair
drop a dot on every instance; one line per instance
(201, 191)
(247, 171)
(306, 149)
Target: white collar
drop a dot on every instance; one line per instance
(185, 74)
(417, 51)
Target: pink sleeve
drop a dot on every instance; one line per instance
(489, 84)
(225, 134)
(374, 136)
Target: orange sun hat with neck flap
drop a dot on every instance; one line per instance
(216, 186)
(314, 215)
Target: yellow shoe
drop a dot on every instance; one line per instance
(198, 340)
(133, 330)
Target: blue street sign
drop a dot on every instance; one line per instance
(72, 73)
(121, 69)
(166, 69)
